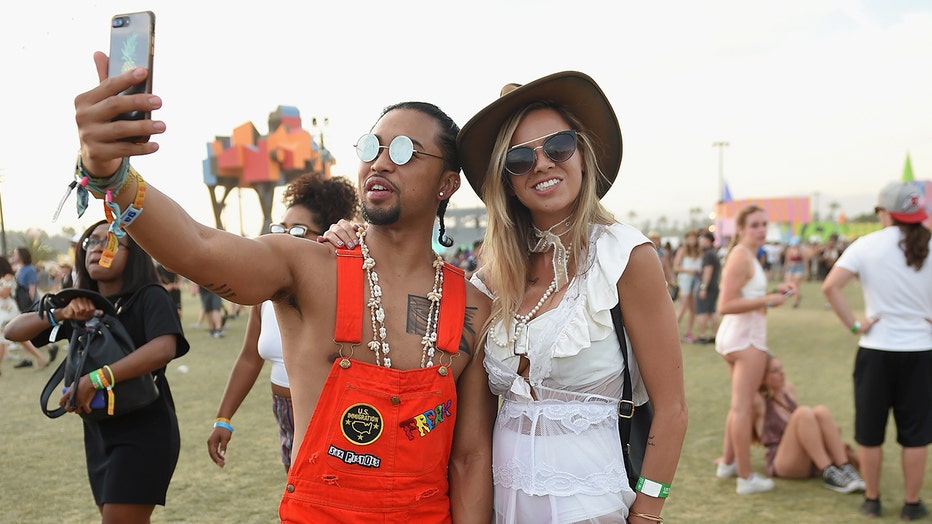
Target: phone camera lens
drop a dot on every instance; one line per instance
(120, 21)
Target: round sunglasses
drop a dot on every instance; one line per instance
(559, 147)
(400, 150)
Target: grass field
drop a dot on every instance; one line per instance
(43, 480)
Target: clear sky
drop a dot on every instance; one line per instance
(814, 98)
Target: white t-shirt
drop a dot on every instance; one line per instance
(896, 294)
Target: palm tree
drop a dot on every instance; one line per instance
(36, 241)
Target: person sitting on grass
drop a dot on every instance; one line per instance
(801, 441)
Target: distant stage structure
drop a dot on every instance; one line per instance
(247, 159)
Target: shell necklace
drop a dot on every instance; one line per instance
(379, 343)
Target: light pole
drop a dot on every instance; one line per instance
(721, 145)
(2, 226)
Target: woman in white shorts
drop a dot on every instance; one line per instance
(742, 342)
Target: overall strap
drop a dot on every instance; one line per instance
(350, 293)
(452, 309)
(350, 288)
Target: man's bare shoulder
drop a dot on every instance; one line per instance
(307, 262)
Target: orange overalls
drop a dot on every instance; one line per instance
(377, 447)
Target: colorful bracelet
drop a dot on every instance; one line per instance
(222, 424)
(652, 488)
(111, 396)
(94, 376)
(120, 219)
(98, 186)
(110, 371)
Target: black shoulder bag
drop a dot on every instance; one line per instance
(633, 421)
(94, 343)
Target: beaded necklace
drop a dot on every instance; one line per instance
(379, 343)
(519, 340)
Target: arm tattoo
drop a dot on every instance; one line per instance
(222, 290)
(418, 307)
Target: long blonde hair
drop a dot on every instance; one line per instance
(505, 247)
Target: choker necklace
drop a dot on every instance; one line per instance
(379, 343)
(540, 241)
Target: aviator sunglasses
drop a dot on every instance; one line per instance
(559, 147)
(400, 150)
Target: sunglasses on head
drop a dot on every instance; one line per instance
(559, 147)
(295, 231)
(400, 150)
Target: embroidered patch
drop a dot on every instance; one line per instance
(424, 422)
(362, 424)
(350, 457)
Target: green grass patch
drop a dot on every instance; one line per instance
(44, 480)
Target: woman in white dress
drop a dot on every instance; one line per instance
(556, 262)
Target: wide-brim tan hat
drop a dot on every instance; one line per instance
(575, 91)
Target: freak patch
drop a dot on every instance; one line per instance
(423, 423)
(361, 424)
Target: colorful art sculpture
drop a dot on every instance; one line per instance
(247, 159)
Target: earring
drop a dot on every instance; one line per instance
(441, 194)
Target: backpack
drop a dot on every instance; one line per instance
(94, 343)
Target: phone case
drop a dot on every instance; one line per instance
(132, 40)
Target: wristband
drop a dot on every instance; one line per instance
(94, 377)
(855, 327)
(224, 425)
(52, 321)
(768, 304)
(652, 488)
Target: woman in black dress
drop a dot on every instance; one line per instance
(130, 458)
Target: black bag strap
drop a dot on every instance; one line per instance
(626, 407)
(58, 376)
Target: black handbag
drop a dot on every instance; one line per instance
(94, 343)
(633, 421)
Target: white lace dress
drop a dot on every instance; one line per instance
(556, 454)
